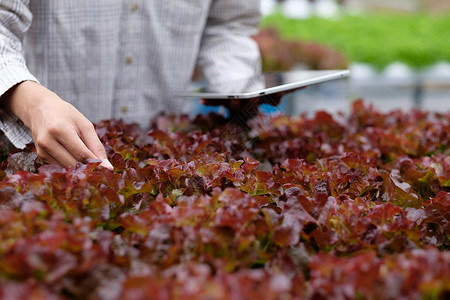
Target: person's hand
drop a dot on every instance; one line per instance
(61, 134)
(244, 109)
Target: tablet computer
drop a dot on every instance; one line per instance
(265, 84)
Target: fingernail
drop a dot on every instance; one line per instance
(107, 164)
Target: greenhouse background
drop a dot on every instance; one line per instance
(397, 50)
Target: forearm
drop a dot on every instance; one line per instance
(227, 50)
(15, 20)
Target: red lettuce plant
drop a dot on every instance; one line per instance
(350, 206)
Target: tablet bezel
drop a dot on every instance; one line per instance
(319, 76)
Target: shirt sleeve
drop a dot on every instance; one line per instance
(15, 19)
(227, 50)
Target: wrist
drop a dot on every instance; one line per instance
(23, 98)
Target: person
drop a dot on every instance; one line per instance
(66, 64)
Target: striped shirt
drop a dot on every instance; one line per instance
(123, 59)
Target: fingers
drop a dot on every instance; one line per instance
(82, 144)
(92, 142)
(46, 157)
(273, 99)
(229, 103)
(67, 144)
(244, 109)
(51, 151)
(64, 148)
(215, 102)
(68, 154)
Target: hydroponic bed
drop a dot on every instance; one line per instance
(350, 206)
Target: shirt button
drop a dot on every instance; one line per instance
(129, 60)
(133, 7)
(124, 109)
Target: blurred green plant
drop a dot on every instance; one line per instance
(418, 40)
